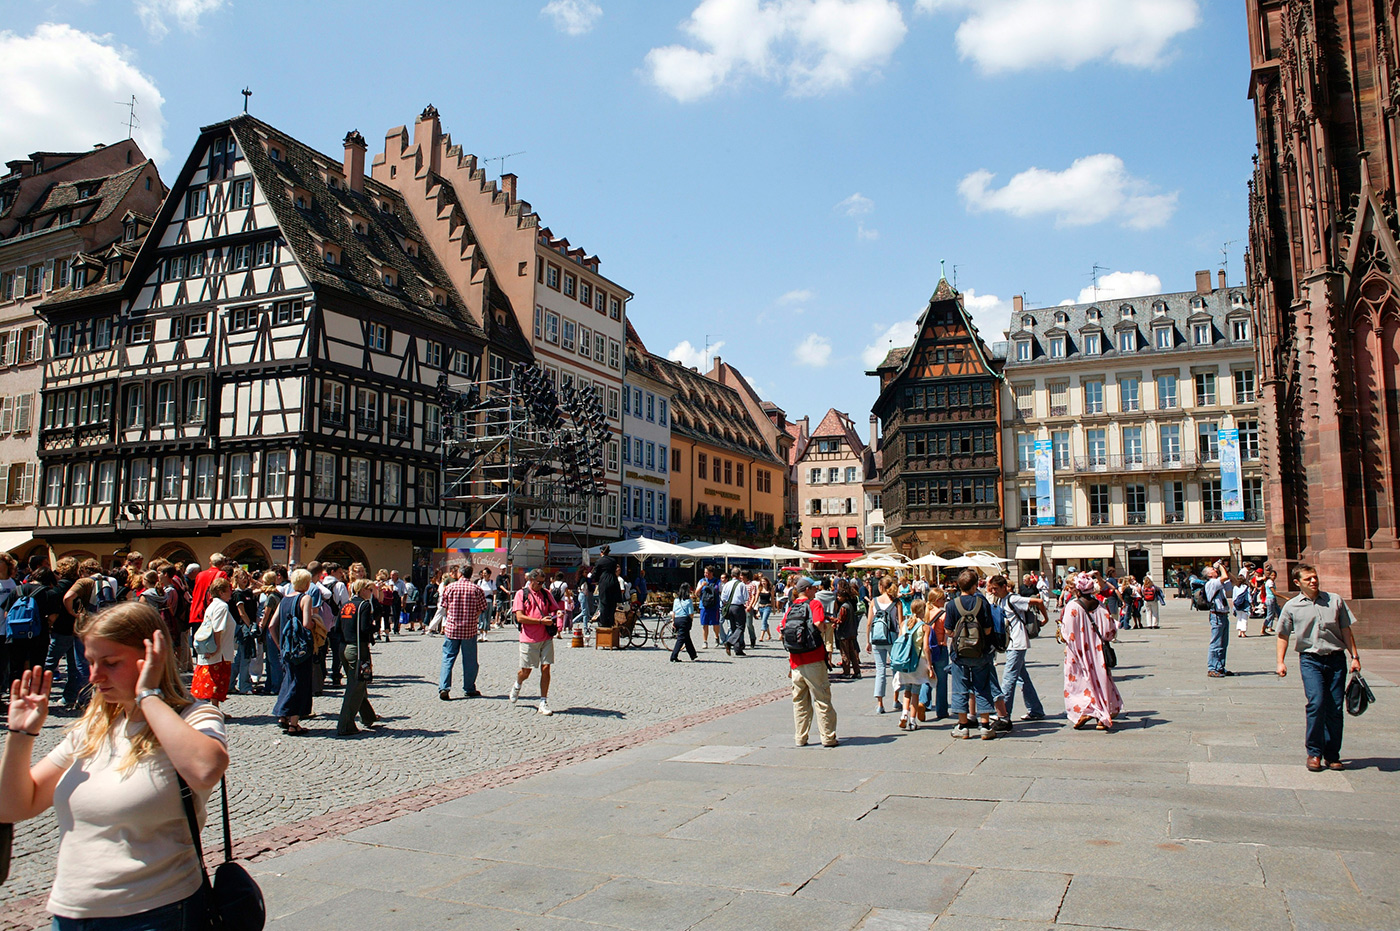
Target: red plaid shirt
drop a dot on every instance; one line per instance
(463, 604)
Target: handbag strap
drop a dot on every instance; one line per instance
(187, 798)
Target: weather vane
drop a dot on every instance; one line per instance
(246, 94)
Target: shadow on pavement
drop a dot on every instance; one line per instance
(593, 712)
(1385, 765)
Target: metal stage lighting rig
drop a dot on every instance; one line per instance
(520, 444)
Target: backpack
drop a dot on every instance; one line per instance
(905, 655)
(206, 639)
(799, 633)
(1029, 620)
(22, 622)
(968, 640)
(881, 630)
(709, 597)
(1242, 599)
(105, 596)
(1199, 600)
(297, 641)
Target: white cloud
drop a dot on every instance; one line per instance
(812, 46)
(799, 296)
(61, 84)
(155, 14)
(894, 336)
(694, 356)
(1015, 35)
(574, 17)
(814, 351)
(863, 233)
(1117, 285)
(1093, 189)
(857, 205)
(990, 314)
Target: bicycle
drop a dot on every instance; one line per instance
(649, 624)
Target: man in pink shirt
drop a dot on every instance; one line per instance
(535, 608)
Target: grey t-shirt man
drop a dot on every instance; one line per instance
(1319, 623)
(1214, 589)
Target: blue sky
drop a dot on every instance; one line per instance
(780, 176)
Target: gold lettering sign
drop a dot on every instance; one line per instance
(724, 494)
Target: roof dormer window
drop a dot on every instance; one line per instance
(1061, 317)
(1094, 314)
(1023, 350)
(1159, 309)
(1028, 322)
(274, 153)
(330, 255)
(390, 278)
(1127, 311)
(1091, 344)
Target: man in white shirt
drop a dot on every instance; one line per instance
(1015, 608)
(1220, 592)
(732, 599)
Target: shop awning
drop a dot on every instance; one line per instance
(834, 557)
(1028, 551)
(852, 533)
(13, 539)
(1197, 548)
(1255, 548)
(816, 533)
(1081, 551)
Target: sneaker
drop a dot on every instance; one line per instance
(961, 732)
(1002, 725)
(879, 709)
(1032, 716)
(444, 695)
(544, 708)
(515, 693)
(986, 733)
(903, 721)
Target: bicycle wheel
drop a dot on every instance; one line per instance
(639, 634)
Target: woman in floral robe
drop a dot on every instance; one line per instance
(1090, 694)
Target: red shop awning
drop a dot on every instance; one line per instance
(852, 533)
(816, 533)
(836, 557)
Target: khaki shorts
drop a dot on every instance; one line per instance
(534, 655)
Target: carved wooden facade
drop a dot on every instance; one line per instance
(1324, 272)
(274, 366)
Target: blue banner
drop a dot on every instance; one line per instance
(1044, 484)
(1230, 500)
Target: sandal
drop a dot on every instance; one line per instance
(296, 730)
(1082, 722)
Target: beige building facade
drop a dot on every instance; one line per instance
(831, 474)
(1131, 397)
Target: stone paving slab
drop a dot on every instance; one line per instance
(1189, 904)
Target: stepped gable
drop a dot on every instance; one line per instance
(704, 410)
(327, 219)
(837, 424)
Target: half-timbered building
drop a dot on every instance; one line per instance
(271, 386)
(939, 417)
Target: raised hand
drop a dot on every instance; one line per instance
(29, 700)
(152, 668)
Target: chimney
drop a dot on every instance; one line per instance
(806, 425)
(508, 186)
(1203, 282)
(1018, 303)
(715, 371)
(1221, 279)
(874, 432)
(427, 136)
(355, 161)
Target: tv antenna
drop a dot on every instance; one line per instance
(1225, 258)
(502, 159)
(246, 92)
(955, 276)
(1094, 275)
(132, 121)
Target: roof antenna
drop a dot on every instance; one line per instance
(955, 276)
(1225, 259)
(502, 160)
(1094, 274)
(246, 94)
(132, 121)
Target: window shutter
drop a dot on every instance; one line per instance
(7, 414)
(24, 413)
(12, 348)
(4, 483)
(26, 485)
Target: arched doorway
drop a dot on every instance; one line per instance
(80, 555)
(344, 553)
(249, 554)
(178, 554)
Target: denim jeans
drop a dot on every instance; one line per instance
(450, 649)
(68, 647)
(1324, 678)
(935, 694)
(764, 613)
(1219, 641)
(1016, 672)
(975, 679)
(882, 668)
(240, 677)
(585, 610)
(272, 664)
(186, 915)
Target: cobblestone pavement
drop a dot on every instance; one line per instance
(275, 780)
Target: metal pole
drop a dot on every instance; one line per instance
(510, 479)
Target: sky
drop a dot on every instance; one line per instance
(781, 180)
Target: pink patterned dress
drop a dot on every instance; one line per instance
(1089, 688)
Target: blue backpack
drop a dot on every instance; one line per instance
(905, 655)
(297, 642)
(881, 630)
(22, 622)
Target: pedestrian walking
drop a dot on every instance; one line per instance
(587, 587)
(734, 596)
(971, 651)
(1323, 622)
(912, 669)
(34, 610)
(682, 616)
(269, 600)
(1016, 609)
(707, 593)
(807, 664)
(215, 646)
(1219, 593)
(934, 694)
(535, 611)
(1271, 605)
(765, 607)
(1086, 626)
(884, 621)
(295, 621)
(356, 624)
(1152, 596)
(847, 629)
(462, 605)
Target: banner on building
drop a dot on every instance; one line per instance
(1230, 500)
(1044, 484)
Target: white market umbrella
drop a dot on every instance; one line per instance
(643, 547)
(726, 550)
(884, 561)
(932, 559)
(780, 552)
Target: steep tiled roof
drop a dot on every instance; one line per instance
(106, 198)
(894, 357)
(703, 409)
(799, 443)
(327, 219)
(838, 424)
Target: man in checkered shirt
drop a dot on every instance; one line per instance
(463, 604)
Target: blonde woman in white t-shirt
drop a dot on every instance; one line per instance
(124, 847)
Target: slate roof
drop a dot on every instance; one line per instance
(327, 220)
(1141, 316)
(704, 410)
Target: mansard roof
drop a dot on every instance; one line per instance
(326, 220)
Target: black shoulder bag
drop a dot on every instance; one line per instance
(235, 903)
(1110, 658)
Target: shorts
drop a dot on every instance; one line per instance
(534, 655)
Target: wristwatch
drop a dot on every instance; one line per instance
(148, 693)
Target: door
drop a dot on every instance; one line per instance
(1138, 564)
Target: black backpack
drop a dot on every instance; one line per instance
(709, 596)
(799, 633)
(1199, 601)
(969, 639)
